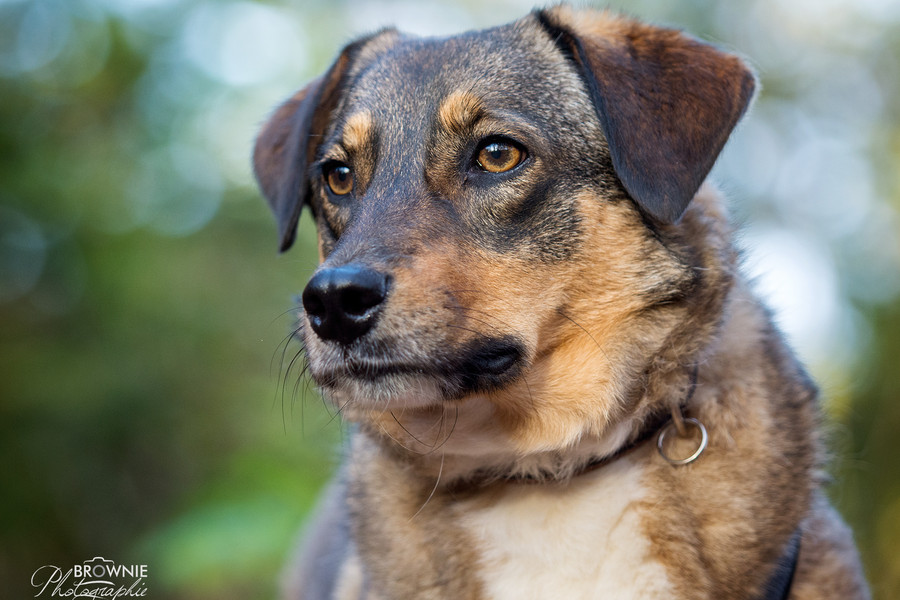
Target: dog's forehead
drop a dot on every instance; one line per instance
(511, 66)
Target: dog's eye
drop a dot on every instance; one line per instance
(499, 156)
(339, 178)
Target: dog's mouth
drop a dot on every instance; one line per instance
(480, 365)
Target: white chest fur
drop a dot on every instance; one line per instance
(581, 540)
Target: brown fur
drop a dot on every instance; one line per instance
(600, 267)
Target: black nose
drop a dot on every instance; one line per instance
(342, 303)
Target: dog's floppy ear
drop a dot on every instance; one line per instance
(667, 102)
(287, 143)
(280, 158)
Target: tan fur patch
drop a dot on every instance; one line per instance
(358, 132)
(459, 111)
(601, 23)
(358, 138)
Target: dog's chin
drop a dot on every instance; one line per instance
(385, 392)
(362, 382)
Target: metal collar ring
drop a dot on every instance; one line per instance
(704, 439)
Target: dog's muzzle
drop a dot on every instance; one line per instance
(343, 306)
(342, 303)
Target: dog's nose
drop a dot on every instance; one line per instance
(342, 303)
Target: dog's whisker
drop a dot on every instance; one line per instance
(438, 426)
(298, 356)
(452, 429)
(283, 376)
(396, 441)
(434, 489)
(467, 310)
(295, 310)
(492, 327)
(296, 389)
(284, 344)
(530, 395)
(563, 314)
(403, 427)
(338, 411)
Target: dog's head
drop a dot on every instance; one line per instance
(501, 214)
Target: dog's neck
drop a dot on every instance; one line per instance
(460, 445)
(578, 463)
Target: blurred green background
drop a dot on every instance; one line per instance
(149, 409)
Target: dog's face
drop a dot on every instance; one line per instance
(498, 214)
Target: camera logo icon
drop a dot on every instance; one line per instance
(98, 567)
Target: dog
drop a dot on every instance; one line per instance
(529, 308)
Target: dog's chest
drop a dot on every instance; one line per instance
(583, 540)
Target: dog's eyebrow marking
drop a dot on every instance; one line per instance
(358, 133)
(460, 111)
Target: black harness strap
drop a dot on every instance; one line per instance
(778, 587)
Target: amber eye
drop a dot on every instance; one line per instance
(499, 156)
(339, 178)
